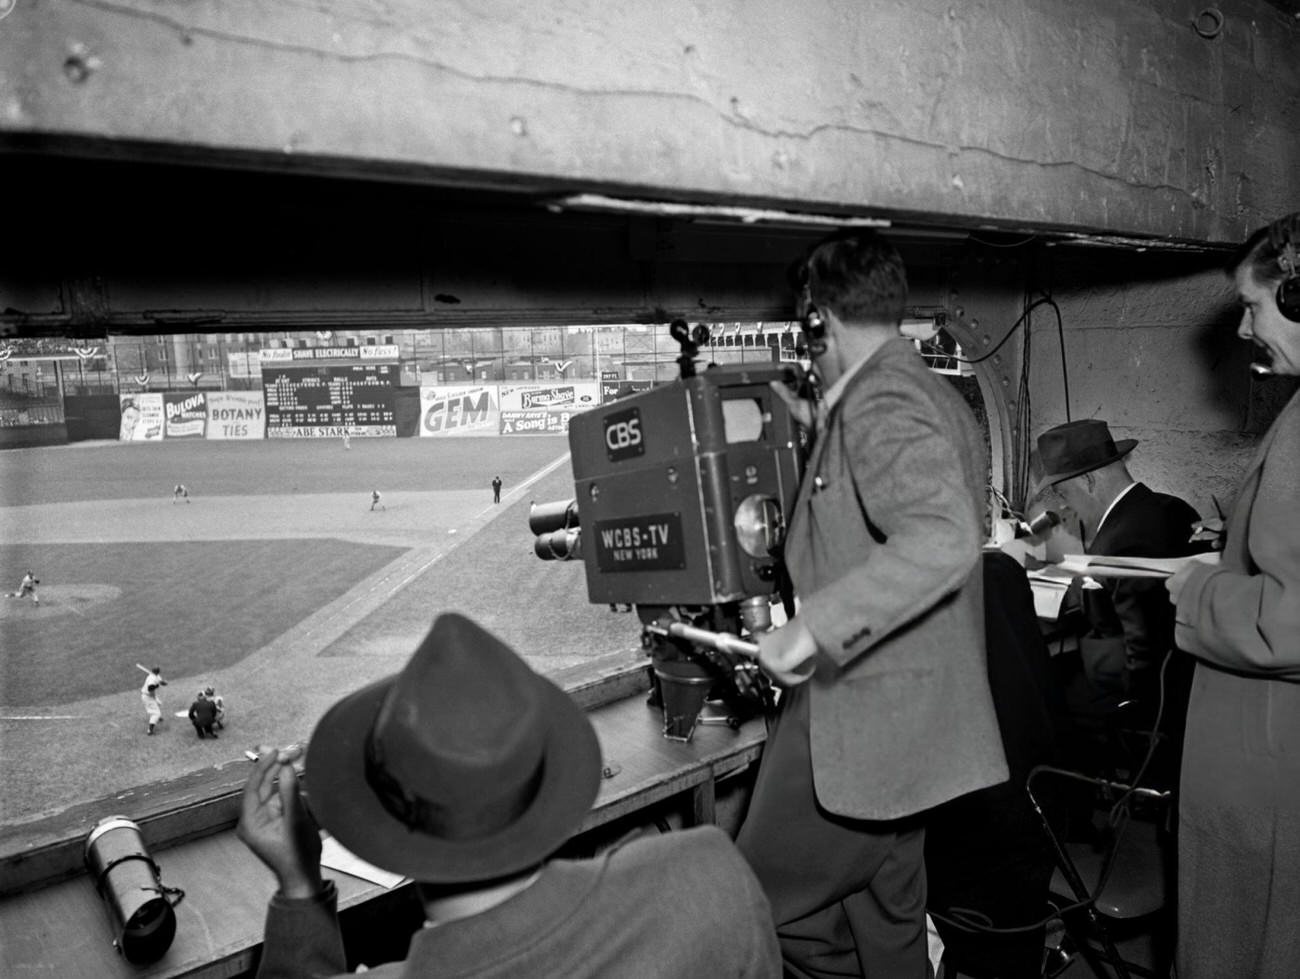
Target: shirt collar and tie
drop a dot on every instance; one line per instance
(833, 394)
(1119, 496)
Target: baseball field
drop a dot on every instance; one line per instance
(276, 583)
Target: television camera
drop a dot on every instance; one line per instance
(681, 499)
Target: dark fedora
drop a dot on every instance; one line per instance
(464, 767)
(1078, 447)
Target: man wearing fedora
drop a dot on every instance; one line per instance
(466, 772)
(1126, 624)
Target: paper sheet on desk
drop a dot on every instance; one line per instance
(1111, 566)
(334, 856)
(1048, 585)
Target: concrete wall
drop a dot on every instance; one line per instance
(1111, 115)
(1151, 348)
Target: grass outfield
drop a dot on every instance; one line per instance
(276, 584)
(120, 471)
(539, 607)
(198, 607)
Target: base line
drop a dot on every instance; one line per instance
(42, 717)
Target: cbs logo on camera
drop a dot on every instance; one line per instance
(623, 437)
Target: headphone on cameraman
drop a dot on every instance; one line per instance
(814, 328)
(812, 323)
(1284, 236)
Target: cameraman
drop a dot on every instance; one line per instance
(887, 710)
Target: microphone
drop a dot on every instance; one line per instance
(1261, 363)
(1039, 525)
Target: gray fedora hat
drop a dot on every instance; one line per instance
(464, 767)
(1076, 448)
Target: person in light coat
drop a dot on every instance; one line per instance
(1239, 803)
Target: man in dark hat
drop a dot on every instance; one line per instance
(466, 772)
(203, 714)
(1126, 624)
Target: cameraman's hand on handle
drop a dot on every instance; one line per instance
(275, 824)
(801, 409)
(786, 653)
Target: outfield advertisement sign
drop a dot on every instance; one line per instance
(538, 421)
(331, 431)
(571, 396)
(185, 416)
(142, 417)
(614, 388)
(459, 410)
(235, 415)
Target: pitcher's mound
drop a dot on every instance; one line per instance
(59, 600)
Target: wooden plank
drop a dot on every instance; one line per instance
(704, 804)
(65, 930)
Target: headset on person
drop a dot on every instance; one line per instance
(811, 321)
(1284, 236)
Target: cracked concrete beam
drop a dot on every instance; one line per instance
(1111, 116)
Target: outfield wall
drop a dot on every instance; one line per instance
(32, 436)
(92, 416)
(434, 411)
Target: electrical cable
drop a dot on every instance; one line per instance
(1012, 244)
(1118, 818)
(1044, 300)
(1004, 506)
(1023, 416)
(1007, 336)
(1024, 413)
(977, 921)
(1153, 739)
(1065, 373)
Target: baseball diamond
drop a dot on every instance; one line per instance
(277, 585)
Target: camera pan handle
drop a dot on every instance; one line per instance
(723, 642)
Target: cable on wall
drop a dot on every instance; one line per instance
(1020, 423)
(1023, 414)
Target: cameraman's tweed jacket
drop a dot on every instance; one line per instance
(884, 552)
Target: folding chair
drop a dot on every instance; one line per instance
(1114, 888)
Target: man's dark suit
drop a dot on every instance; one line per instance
(986, 851)
(884, 553)
(1132, 628)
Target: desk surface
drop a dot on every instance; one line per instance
(63, 930)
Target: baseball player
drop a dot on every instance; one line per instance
(28, 587)
(220, 703)
(181, 492)
(374, 499)
(203, 714)
(153, 682)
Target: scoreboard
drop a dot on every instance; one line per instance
(323, 397)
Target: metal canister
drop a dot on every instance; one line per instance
(142, 917)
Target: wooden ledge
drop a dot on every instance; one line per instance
(204, 802)
(63, 929)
